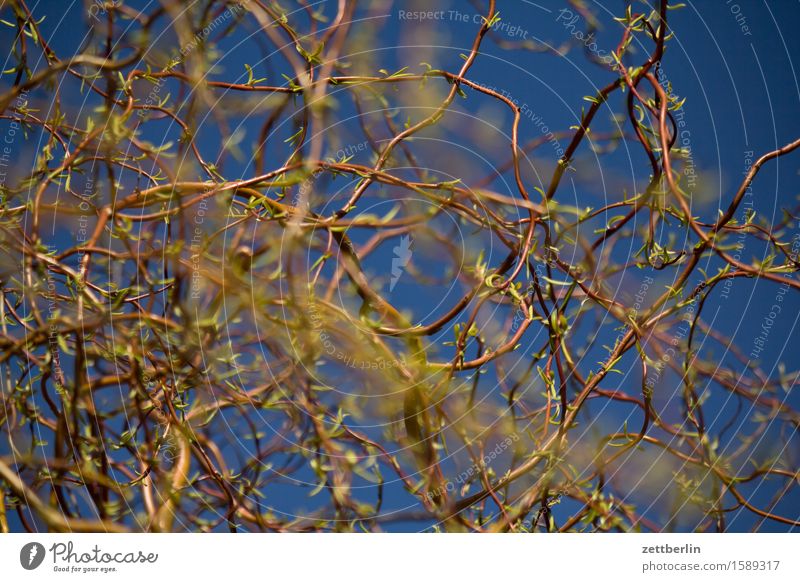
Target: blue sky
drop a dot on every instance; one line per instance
(732, 62)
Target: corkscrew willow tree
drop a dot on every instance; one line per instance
(343, 327)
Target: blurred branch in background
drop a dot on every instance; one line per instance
(257, 277)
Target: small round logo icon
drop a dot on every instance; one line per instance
(31, 555)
